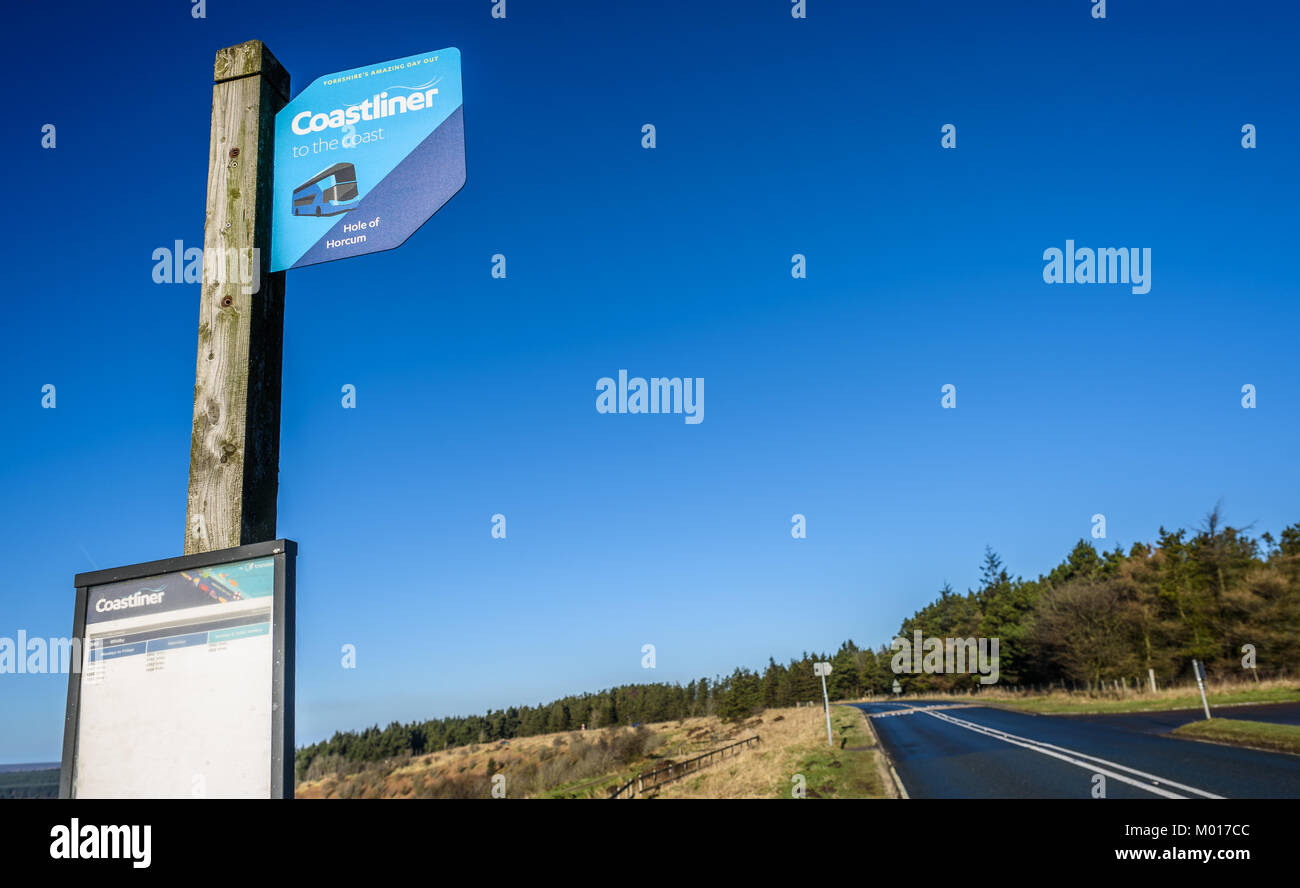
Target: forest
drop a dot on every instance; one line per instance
(1097, 617)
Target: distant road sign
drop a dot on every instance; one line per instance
(824, 669)
(364, 157)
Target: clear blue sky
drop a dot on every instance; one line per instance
(477, 396)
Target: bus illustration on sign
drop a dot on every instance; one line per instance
(331, 191)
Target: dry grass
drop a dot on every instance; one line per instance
(573, 764)
(531, 765)
(794, 741)
(591, 764)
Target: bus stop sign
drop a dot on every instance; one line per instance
(364, 157)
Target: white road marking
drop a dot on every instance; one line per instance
(913, 709)
(1079, 759)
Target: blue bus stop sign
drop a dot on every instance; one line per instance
(364, 157)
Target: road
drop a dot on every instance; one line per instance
(942, 751)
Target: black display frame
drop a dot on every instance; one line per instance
(285, 554)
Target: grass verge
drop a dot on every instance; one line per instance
(1063, 703)
(847, 769)
(1238, 732)
(794, 743)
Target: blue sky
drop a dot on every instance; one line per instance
(477, 396)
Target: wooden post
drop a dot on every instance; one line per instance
(235, 441)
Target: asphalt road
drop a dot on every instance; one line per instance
(944, 752)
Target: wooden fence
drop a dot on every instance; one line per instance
(677, 770)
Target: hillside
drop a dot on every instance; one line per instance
(592, 763)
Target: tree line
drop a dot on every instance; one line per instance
(1215, 594)
(1096, 617)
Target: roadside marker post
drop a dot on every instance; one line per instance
(824, 669)
(1199, 668)
(1152, 674)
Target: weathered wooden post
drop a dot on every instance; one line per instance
(235, 442)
